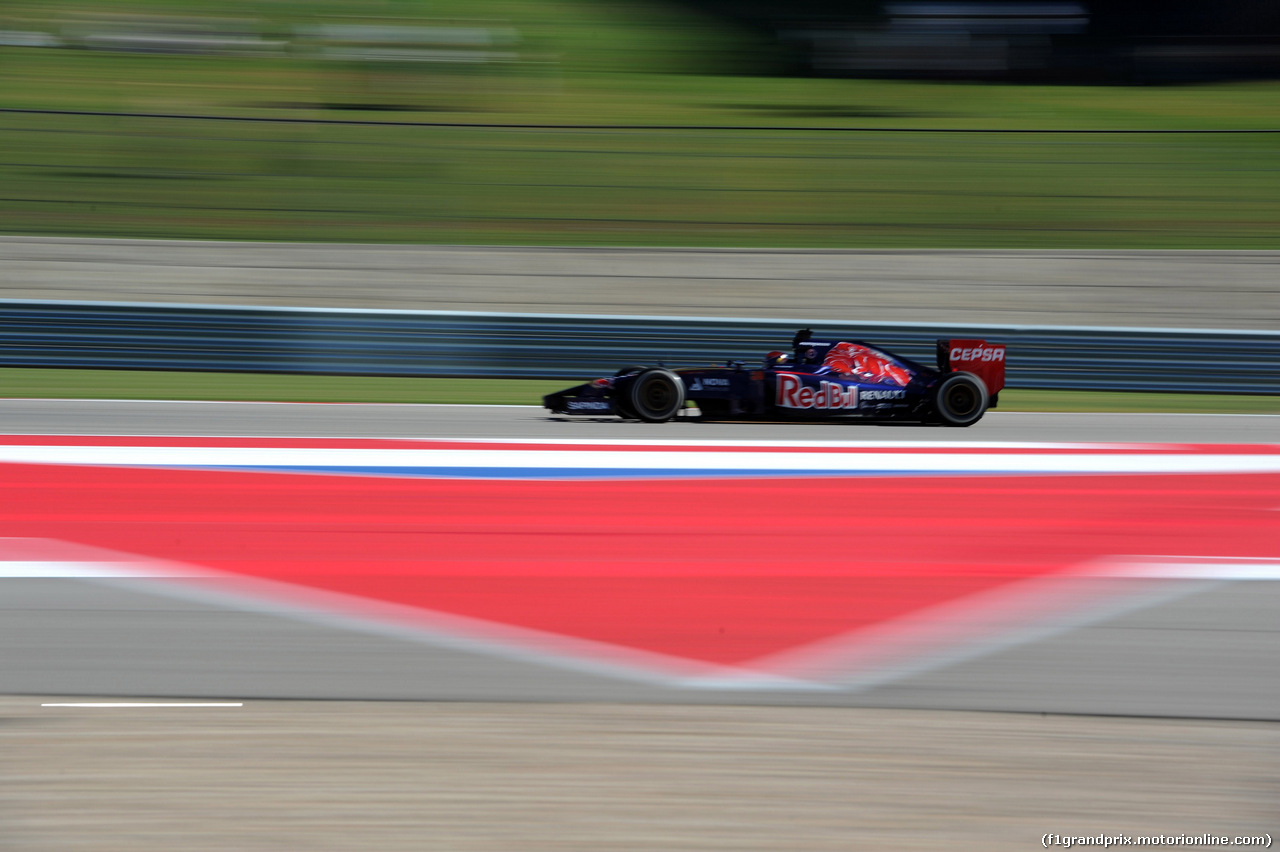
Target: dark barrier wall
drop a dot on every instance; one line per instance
(430, 343)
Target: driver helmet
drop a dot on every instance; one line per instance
(775, 358)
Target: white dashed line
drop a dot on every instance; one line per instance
(147, 704)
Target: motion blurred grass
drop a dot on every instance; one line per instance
(42, 383)
(686, 178)
(103, 176)
(607, 93)
(1026, 399)
(259, 387)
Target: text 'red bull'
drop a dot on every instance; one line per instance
(827, 396)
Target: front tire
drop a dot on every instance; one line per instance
(656, 395)
(961, 399)
(620, 403)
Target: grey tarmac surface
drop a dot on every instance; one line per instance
(444, 777)
(1177, 289)
(115, 417)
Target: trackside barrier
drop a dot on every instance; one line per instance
(448, 343)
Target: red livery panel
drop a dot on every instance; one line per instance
(985, 360)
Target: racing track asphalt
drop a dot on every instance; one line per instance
(1208, 652)
(111, 417)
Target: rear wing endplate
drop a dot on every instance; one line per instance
(985, 360)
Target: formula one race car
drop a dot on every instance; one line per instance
(818, 379)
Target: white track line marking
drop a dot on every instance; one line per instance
(689, 462)
(147, 704)
(1184, 568)
(757, 443)
(61, 570)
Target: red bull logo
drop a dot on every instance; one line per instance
(829, 396)
(866, 364)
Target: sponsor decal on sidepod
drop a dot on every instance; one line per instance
(829, 395)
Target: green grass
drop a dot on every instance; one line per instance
(618, 90)
(609, 63)
(41, 383)
(262, 387)
(186, 179)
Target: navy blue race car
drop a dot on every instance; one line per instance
(817, 379)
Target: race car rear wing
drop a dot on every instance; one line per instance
(985, 360)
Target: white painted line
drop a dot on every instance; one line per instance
(78, 570)
(147, 704)
(650, 442)
(817, 445)
(511, 462)
(85, 569)
(1185, 569)
(760, 443)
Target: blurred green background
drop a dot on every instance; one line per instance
(585, 123)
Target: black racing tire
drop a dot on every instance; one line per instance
(623, 408)
(960, 399)
(656, 395)
(620, 403)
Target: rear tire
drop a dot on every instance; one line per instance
(960, 400)
(656, 395)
